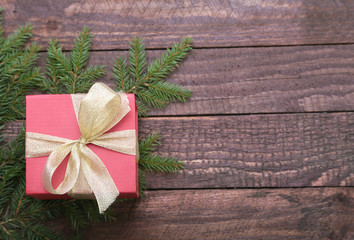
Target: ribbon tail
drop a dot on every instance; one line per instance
(124, 141)
(81, 189)
(98, 178)
(53, 162)
(39, 145)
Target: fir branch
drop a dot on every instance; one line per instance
(166, 90)
(150, 99)
(121, 75)
(169, 60)
(88, 77)
(149, 86)
(159, 163)
(60, 61)
(37, 231)
(142, 108)
(80, 53)
(154, 162)
(17, 74)
(55, 69)
(149, 144)
(68, 74)
(23, 217)
(28, 60)
(20, 216)
(137, 59)
(16, 40)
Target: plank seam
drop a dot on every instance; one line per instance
(220, 47)
(246, 188)
(247, 114)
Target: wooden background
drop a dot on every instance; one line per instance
(268, 136)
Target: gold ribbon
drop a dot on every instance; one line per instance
(99, 111)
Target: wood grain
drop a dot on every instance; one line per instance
(312, 213)
(252, 56)
(257, 150)
(286, 150)
(258, 80)
(211, 23)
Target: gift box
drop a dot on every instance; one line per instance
(54, 115)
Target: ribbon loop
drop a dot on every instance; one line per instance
(99, 111)
(53, 162)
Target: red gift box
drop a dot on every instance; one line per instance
(54, 115)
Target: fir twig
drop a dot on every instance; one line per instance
(160, 164)
(23, 217)
(121, 75)
(153, 162)
(16, 40)
(149, 86)
(67, 74)
(18, 73)
(166, 90)
(137, 58)
(149, 144)
(169, 60)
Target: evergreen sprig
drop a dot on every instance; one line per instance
(153, 162)
(24, 217)
(68, 74)
(137, 59)
(18, 73)
(21, 217)
(149, 85)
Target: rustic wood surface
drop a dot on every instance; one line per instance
(275, 150)
(311, 213)
(284, 150)
(258, 80)
(211, 23)
(268, 136)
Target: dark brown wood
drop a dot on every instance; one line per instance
(210, 23)
(291, 142)
(287, 150)
(258, 80)
(284, 150)
(311, 213)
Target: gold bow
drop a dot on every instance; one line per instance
(99, 111)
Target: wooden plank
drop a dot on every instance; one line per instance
(310, 213)
(210, 23)
(258, 80)
(286, 150)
